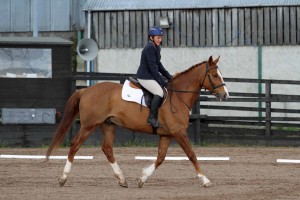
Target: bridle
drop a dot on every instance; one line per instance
(213, 86)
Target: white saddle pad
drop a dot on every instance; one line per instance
(132, 94)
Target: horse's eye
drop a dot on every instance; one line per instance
(215, 75)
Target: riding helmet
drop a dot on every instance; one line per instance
(155, 30)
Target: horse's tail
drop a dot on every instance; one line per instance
(71, 110)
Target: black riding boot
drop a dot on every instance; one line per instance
(155, 103)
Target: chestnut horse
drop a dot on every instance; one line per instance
(101, 106)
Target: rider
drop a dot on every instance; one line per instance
(150, 72)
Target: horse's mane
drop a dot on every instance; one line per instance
(187, 70)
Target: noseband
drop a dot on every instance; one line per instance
(214, 87)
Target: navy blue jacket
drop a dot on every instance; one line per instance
(150, 66)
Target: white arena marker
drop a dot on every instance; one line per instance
(181, 158)
(43, 157)
(287, 161)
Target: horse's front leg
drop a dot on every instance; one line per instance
(164, 143)
(108, 132)
(183, 140)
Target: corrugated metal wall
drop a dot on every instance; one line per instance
(53, 15)
(200, 27)
(116, 5)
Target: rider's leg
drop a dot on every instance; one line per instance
(152, 119)
(153, 87)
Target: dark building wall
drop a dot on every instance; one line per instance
(36, 93)
(40, 92)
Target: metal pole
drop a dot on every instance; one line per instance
(88, 63)
(35, 19)
(259, 64)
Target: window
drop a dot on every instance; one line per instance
(25, 63)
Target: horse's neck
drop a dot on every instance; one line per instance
(190, 81)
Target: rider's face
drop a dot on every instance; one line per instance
(157, 39)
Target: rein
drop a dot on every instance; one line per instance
(194, 91)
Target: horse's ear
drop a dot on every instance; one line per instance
(210, 60)
(217, 60)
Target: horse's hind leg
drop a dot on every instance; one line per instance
(107, 147)
(81, 136)
(164, 143)
(183, 140)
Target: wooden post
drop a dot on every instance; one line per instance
(268, 108)
(73, 127)
(197, 133)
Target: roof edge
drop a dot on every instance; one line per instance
(34, 40)
(93, 8)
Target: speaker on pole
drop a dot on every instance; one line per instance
(87, 49)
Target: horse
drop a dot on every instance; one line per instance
(101, 106)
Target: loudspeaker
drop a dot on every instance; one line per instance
(87, 49)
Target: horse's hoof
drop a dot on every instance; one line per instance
(206, 185)
(125, 185)
(62, 181)
(140, 183)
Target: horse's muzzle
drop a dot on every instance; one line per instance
(222, 96)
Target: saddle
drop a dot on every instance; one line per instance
(148, 96)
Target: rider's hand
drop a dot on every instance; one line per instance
(164, 84)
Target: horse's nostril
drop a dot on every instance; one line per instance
(225, 96)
